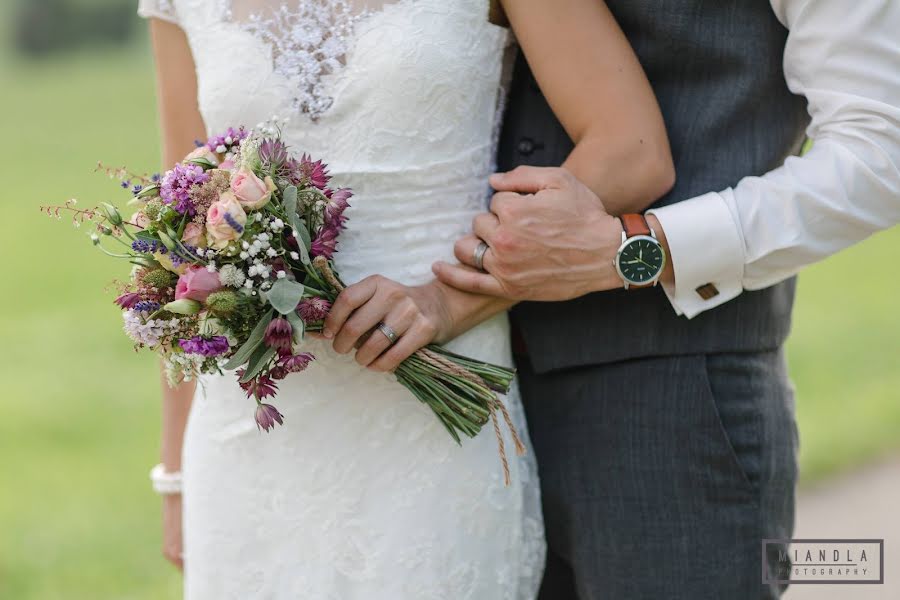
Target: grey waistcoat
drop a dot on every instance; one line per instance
(716, 68)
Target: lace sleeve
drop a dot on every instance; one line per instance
(160, 9)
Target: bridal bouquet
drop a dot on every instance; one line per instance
(232, 251)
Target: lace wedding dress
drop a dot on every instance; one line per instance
(361, 495)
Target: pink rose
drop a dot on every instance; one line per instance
(225, 221)
(194, 235)
(202, 152)
(227, 165)
(252, 192)
(197, 283)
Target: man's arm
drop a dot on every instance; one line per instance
(845, 59)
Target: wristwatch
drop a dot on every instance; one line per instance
(641, 258)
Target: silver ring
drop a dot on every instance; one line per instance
(478, 255)
(388, 332)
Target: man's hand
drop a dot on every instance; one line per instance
(549, 238)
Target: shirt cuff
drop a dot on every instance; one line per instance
(705, 247)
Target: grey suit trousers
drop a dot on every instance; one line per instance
(661, 476)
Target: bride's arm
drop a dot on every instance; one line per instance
(595, 85)
(181, 124)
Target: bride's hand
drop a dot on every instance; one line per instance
(171, 521)
(418, 315)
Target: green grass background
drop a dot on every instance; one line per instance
(79, 411)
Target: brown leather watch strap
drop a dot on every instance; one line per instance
(635, 225)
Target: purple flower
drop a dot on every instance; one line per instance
(273, 153)
(325, 243)
(213, 346)
(278, 335)
(259, 387)
(266, 417)
(229, 138)
(147, 306)
(233, 223)
(336, 205)
(295, 363)
(128, 299)
(147, 246)
(176, 187)
(313, 309)
(316, 173)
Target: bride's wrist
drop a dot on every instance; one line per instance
(439, 309)
(165, 482)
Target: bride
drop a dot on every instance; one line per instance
(362, 494)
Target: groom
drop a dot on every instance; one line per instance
(662, 416)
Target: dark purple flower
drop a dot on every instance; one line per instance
(325, 243)
(176, 186)
(295, 363)
(278, 335)
(266, 417)
(128, 299)
(147, 306)
(233, 223)
(315, 173)
(336, 205)
(259, 387)
(212, 346)
(313, 309)
(146, 246)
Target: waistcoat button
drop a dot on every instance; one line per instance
(525, 146)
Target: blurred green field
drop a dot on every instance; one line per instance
(79, 411)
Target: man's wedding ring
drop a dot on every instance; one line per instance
(388, 332)
(478, 255)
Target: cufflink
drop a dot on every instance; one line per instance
(707, 291)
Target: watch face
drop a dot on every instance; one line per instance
(640, 260)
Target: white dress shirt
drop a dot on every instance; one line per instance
(844, 57)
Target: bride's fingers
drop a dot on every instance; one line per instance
(400, 319)
(468, 279)
(347, 301)
(415, 337)
(360, 323)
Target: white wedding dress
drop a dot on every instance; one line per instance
(361, 494)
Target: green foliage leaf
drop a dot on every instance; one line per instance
(255, 339)
(289, 199)
(203, 162)
(258, 360)
(145, 262)
(284, 295)
(150, 191)
(298, 326)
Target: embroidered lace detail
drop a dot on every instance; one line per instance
(308, 42)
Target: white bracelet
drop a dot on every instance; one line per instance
(165, 483)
